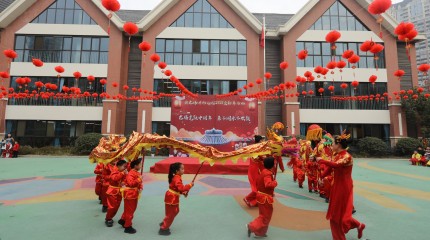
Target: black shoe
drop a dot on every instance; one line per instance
(100, 202)
(249, 231)
(354, 211)
(161, 224)
(130, 230)
(321, 196)
(310, 191)
(104, 209)
(164, 232)
(300, 186)
(327, 200)
(121, 222)
(109, 223)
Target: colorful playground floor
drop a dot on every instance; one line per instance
(53, 198)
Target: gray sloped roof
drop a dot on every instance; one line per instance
(131, 15)
(4, 4)
(273, 20)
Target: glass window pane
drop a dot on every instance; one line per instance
(215, 59)
(215, 46)
(188, 46)
(76, 57)
(70, 3)
(177, 59)
(326, 23)
(187, 59)
(215, 20)
(222, 22)
(317, 61)
(19, 42)
(317, 49)
(224, 46)
(326, 49)
(309, 62)
(68, 19)
(61, 3)
(206, 20)
(351, 23)
(104, 44)
(188, 19)
(342, 10)
(333, 9)
(85, 57)
(77, 17)
(59, 17)
(169, 58)
(241, 47)
(334, 22)
(57, 43)
(181, 21)
(206, 7)
(103, 58)
(94, 57)
(86, 44)
(95, 44)
(224, 60)
(309, 47)
(232, 47)
(159, 45)
(359, 26)
(204, 47)
(343, 23)
(241, 60)
(42, 17)
(205, 59)
(170, 45)
(86, 19)
(196, 46)
(198, 6)
(318, 24)
(196, 59)
(178, 45)
(51, 16)
(232, 60)
(197, 20)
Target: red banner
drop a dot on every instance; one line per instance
(226, 124)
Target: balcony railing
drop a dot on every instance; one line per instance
(162, 102)
(81, 102)
(329, 103)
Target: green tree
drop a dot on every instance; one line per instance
(417, 109)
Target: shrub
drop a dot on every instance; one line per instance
(26, 150)
(48, 150)
(86, 143)
(373, 147)
(406, 146)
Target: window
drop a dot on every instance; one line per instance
(202, 52)
(320, 53)
(201, 15)
(338, 17)
(62, 49)
(64, 12)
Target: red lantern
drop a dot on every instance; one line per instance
(427, 95)
(268, 75)
(331, 65)
(341, 64)
(283, 65)
(332, 36)
(4, 75)
(378, 7)
(347, 54)
(372, 79)
(376, 48)
(77, 75)
(103, 81)
(38, 84)
(318, 69)
(111, 6)
(355, 84)
(114, 84)
(399, 73)
(304, 93)
(37, 62)
(59, 69)
(10, 54)
(145, 46)
(420, 90)
(259, 81)
(410, 92)
(424, 68)
(415, 97)
(308, 74)
(366, 46)
(331, 88)
(125, 87)
(409, 36)
(130, 28)
(251, 85)
(162, 65)
(311, 92)
(168, 73)
(155, 57)
(354, 59)
(404, 28)
(302, 54)
(321, 91)
(344, 86)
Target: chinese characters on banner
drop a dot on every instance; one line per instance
(226, 124)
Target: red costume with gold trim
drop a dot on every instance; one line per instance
(171, 200)
(113, 192)
(312, 173)
(300, 173)
(131, 192)
(99, 179)
(105, 176)
(265, 186)
(254, 170)
(341, 197)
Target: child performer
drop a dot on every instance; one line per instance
(171, 199)
(113, 193)
(99, 180)
(105, 175)
(312, 173)
(341, 206)
(265, 186)
(415, 159)
(300, 172)
(131, 194)
(15, 149)
(254, 169)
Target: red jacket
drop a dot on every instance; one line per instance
(15, 147)
(312, 169)
(106, 173)
(265, 186)
(115, 181)
(98, 171)
(176, 188)
(133, 185)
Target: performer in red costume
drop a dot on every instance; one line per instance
(341, 197)
(171, 199)
(99, 180)
(324, 151)
(113, 193)
(300, 171)
(312, 173)
(105, 175)
(265, 186)
(255, 167)
(131, 194)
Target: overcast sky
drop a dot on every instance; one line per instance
(256, 6)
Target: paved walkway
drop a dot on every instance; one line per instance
(53, 198)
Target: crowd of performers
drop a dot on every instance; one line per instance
(326, 163)
(122, 181)
(421, 157)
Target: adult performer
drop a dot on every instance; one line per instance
(255, 167)
(341, 196)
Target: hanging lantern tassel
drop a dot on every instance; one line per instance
(111, 6)
(378, 7)
(131, 29)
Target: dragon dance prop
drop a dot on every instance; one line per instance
(115, 147)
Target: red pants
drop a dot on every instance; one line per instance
(104, 195)
(300, 177)
(312, 184)
(98, 188)
(260, 225)
(130, 206)
(294, 175)
(338, 231)
(114, 201)
(171, 212)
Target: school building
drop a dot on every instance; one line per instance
(213, 46)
